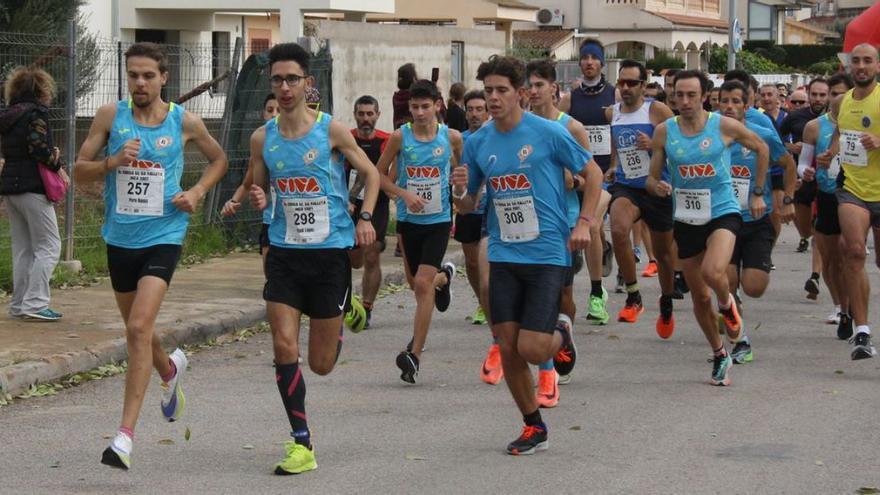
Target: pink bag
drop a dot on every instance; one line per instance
(55, 185)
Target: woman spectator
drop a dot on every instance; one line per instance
(406, 76)
(455, 116)
(27, 144)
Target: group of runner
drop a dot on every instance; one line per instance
(530, 183)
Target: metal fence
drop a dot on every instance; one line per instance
(202, 77)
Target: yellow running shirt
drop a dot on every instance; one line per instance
(861, 167)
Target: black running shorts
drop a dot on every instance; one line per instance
(128, 266)
(526, 294)
(691, 239)
(777, 183)
(424, 244)
(805, 194)
(655, 211)
(314, 281)
(827, 220)
(468, 228)
(264, 236)
(754, 245)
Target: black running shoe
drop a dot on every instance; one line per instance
(845, 327)
(443, 295)
(531, 440)
(812, 288)
(803, 245)
(409, 366)
(620, 288)
(862, 348)
(566, 357)
(607, 259)
(679, 287)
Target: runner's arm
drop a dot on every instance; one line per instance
(805, 167)
(260, 182)
(194, 130)
(653, 184)
(456, 143)
(736, 131)
(660, 113)
(612, 167)
(342, 140)
(86, 168)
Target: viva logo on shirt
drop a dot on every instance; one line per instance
(696, 171)
(297, 185)
(511, 182)
(422, 172)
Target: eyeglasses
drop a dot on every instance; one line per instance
(798, 102)
(291, 80)
(629, 83)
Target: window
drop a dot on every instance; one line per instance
(762, 22)
(220, 51)
(457, 61)
(259, 40)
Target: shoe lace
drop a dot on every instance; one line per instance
(493, 360)
(545, 381)
(563, 356)
(858, 339)
(528, 432)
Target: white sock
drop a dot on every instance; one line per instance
(863, 329)
(837, 309)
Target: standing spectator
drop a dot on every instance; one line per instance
(406, 76)
(27, 142)
(455, 114)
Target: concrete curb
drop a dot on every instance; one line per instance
(18, 377)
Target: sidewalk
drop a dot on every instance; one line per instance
(204, 301)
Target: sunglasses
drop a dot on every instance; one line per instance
(629, 83)
(798, 102)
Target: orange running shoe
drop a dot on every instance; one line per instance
(732, 321)
(630, 313)
(665, 328)
(491, 372)
(650, 270)
(548, 388)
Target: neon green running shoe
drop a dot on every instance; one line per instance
(479, 317)
(597, 315)
(299, 459)
(356, 318)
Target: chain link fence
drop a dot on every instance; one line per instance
(203, 77)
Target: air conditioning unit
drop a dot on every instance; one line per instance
(549, 18)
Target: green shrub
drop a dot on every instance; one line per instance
(663, 60)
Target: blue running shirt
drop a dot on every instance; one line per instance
(826, 178)
(138, 212)
(744, 167)
(311, 200)
(481, 206)
(423, 168)
(527, 210)
(700, 170)
(571, 196)
(633, 165)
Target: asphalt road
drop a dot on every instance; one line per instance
(639, 416)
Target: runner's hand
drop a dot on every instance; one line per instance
(809, 174)
(663, 189)
(186, 201)
(365, 233)
(794, 148)
(786, 213)
(824, 159)
(230, 208)
(258, 197)
(870, 141)
(758, 206)
(460, 176)
(610, 175)
(580, 236)
(126, 155)
(414, 202)
(643, 142)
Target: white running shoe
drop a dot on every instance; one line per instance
(118, 454)
(173, 401)
(833, 318)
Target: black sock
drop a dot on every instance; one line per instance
(292, 388)
(534, 419)
(596, 288)
(815, 275)
(665, 305)
(633, 296)
(679, 274)
(339, 344)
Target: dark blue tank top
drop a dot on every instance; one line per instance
(589, 110)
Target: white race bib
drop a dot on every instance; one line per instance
(635, 162)
(851, 150)
(352, 180)
(308, 220)
(140, 191)
(693, 206)
(600, 139)
(741, 188)
(834, 168)
(517, 219)
(429, 190)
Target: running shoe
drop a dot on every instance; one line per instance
(721, 370)
(607, 259)
(637, 253)
(650, 269)
(531, 440)
(597, 314)
(738, 301)
(491, 372)
(812, 288)
(566, 357)
(479, 317)
(297, 459)
(833, 318)
(173, 401)
(409, 346)
(680, 287)
(369, 317)
(409, 366)
(397, 252)
(356, 318)
(665, 322)
(620, 288)
(803, 245)
(118, 454)
(565, 379)
(845, 327)
(862, 347)
(630, 313)
(742, 352)
(732, 321)
(548, 388)
(44, 315)
(443, 294)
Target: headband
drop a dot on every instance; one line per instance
(594, 50)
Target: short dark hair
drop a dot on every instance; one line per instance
(269, 97)
(149, 50)
(502, 65)
(545, 69)
(716, 88)
(629, 64)
(737, 75)
(841, 78)
(406, 76)
(424, 88)
(283, 52)
(671, 73)
(734, 85)
(474, 94)
(692, 74)
(366, 100)
(592, 41)
(817, 80)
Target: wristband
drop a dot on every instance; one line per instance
(586, 219)
(459, 196)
